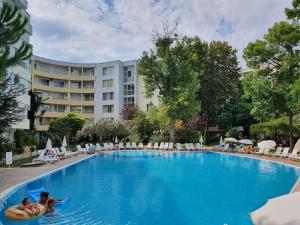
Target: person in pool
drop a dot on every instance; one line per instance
(50, 206)
(30, 209)
(44, 198)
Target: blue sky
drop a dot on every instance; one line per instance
(102, 30)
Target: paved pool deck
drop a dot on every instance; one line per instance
(14, 176)
(11, 177)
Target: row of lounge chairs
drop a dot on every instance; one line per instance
(282, 152)
(140, 146)
(53, 155)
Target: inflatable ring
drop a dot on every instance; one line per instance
(15, 214)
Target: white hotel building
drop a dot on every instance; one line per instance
(94, 90)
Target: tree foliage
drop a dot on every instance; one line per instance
(67, 126)
(167, 68)
(12, 27)
(274, 82)
(294, 12)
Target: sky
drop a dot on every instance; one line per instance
(105, 30)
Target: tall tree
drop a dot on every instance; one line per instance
(219, 70)
(168, 69)
(293, 13)
(12, 27)
(274, 81)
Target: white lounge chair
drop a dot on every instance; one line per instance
(98, 147)
(149, 145)
(260, 151)
(43, 157)
(133, 145)
(294, 154)
(166, 145)
(267, 152)
(66, 152)
(80, 150)
(198, 146)
(87, 147)
(285, 152)
(121, 146)
(141, 146)
(187, 146)
(226, 148)
(105, 146)
(161, 146)
(278, 151)
(111, 146)
(192, 147)
(128, 145)
(155, 145)
(171, 146)
(178, 146)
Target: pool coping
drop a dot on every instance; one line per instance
(9, 191)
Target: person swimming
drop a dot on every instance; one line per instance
(30, 209)
(50, 206)
(45, 198)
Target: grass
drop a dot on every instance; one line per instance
(19, 162)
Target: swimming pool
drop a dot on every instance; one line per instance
(141, 188)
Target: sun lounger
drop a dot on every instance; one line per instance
(226, 148)
(192, 147)
(66, 152)
(128, 145)
(285, 152)
(187, 146)
(178, 146)
(278, 152)
(111, 146)
(149, 145)
(171, 146)
(141, 146)
(166, 145)
(106, 146)
(43, 157)
(121, 146)
(98, 147)
(198, 146)
(155, 145)
(260, 151)
(133, 145)
(267, 152)
(80, 150)
(161, 146)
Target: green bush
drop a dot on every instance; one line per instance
(187, 135)
(158, 138)
(233, 132)
(6, 145)
(132, 138)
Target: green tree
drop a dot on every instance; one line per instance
(67, 126)
(167, 68)
(12, 27)
(143, 126)
(293, 13)
(35, 103)
(217, 64)
(272, 85)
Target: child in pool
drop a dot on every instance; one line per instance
(44, 198)
(50, 206)
(30, 209)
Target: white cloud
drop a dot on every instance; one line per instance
(100, 30)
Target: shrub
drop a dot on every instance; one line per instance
(187, 135)
(158, 138)
(132, 138)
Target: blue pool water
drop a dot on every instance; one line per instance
(141, 188)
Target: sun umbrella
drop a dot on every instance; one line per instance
(246, 142)
(297, 145)
(278, 211)
(49, 144)
(116, 139)
(201, 139)
(267, 144)
(230, 139)
(64, 143)
(221, 140)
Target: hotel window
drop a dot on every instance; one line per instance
(88, 109)
(88, 97)
(108, 108)
(75, 109)
(58, 108)
(58, 95)
(43, 67)
(75, 84)
(60, 70)
(108, 96)
(76, 97)
(129, 89)
(76, 71)
(88, 72)
(108, 83)
(129, 101)
(44, 107)
(88, 84)
(108, 70)
(58, 83)
(128, 74)
(43, 81)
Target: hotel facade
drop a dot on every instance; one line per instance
(93, 90)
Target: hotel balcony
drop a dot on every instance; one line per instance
(64, 76)
(63, 89)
